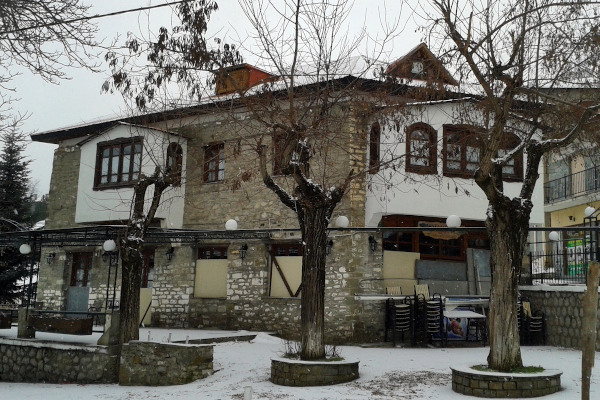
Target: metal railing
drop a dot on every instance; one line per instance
(586, 181)
(566, 266)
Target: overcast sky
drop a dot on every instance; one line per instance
(80, 99)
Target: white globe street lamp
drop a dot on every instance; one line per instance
(342, 221)
(25, 248)
(554, 236)
(589, 211)
(231, 225)
(109, 245)
(453, 221)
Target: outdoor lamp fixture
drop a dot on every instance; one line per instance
(170, 253)
(231, 225)
(372, 244)
(554, 236)
(109, 247)
(329, 246)
(589, 211)
(25, 248)
(50, 258)
(453, 221)
(342, 221)
(590, 241)
(243, 250)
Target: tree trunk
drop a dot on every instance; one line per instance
(507, 226)
(131, 279)
(588, 329)
(314, 235)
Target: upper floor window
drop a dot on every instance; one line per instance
(462, 151)
(118, 162)
(214, 162)
(421, 149)
(513, 169)
(175, 162)
(374, 148)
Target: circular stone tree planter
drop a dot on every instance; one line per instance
(288, 372)
(469, 381)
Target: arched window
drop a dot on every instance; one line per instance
(175, 162)
(374, 145)
(462, 150)
(421, 149)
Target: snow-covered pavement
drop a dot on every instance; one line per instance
(385, 373)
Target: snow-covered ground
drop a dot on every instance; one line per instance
(385, 373)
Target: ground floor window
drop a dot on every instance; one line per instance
(211, 272)
(433, 245)
(285, 270)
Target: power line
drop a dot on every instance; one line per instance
(111, 14)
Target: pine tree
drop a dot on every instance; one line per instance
(15, 206)
(15, 198)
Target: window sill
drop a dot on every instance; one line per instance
(114, 186)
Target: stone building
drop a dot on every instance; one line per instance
(201, 275)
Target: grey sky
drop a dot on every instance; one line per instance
(80, 99)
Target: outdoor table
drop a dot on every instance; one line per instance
(450, 303)
(454, 327)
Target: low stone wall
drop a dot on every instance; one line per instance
(160, 364)
(311, 373)
(35, 361)
(562, 307)
(471, 382)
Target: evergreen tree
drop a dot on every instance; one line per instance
(15, 207)
(15, 197)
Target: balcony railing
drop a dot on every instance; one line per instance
(567, 187)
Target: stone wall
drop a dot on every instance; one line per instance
(29, 361)
(62, 198)
(160, 364)
(562, 307)
(312, 373)
(248, 306)
(504, 385)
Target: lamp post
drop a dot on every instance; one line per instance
(110, 255)
(590, 221)
(25, 249)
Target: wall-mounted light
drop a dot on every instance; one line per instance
(329, 246)
(372, 244)
(170, 253)
(243, 250)
(50, 258)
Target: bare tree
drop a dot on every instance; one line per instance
(317, 118)
(305, 119)
(517, 56)
(131, 244)
(43, 37)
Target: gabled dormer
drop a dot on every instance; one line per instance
(240, 77)
(420, 64)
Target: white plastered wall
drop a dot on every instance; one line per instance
(431, 195)
(115, 204)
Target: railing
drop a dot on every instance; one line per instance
(559, 267)
(586, 181)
